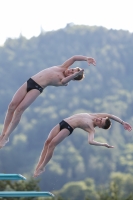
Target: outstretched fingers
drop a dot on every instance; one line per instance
(91, 61)
(127, 127)
(110, 146)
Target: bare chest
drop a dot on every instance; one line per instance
(49, 77)
(86, 124)
(55, 79)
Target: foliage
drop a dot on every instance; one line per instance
(30, 185)
(120, 188)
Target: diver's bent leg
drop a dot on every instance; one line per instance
(56, 140)
(43, 154)
(16, 100)
(8, 119)
(53, 133)
(26, 102)
(41, 168)
(15, 121)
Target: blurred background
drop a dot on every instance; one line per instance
(39, 34)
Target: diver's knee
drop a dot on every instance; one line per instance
(12, 106)
(19, 111)
(47, 142)
(52, 145)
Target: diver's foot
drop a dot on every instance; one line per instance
(38, 172)
(3, 142)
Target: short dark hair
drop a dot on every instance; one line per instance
(79, 77)
(107, 123)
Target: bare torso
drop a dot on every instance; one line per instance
(50, 76)
(82, 120)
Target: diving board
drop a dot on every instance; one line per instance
(12, 177)
(26, 194)
(21, 193)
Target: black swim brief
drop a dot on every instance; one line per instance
(31, 84)
(64, 124)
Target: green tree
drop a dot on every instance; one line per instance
(30, 185)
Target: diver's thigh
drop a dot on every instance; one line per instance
(53, 133)
(60, 136)
(29, 99)
(20, 94)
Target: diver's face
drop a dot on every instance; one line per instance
(69, 72)
(100, 122)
